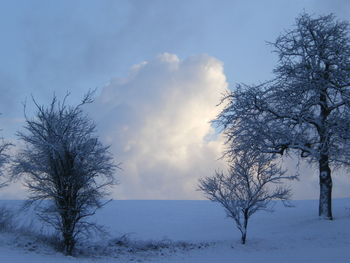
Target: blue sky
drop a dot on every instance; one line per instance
(60, 46)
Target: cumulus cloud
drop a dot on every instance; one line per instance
(157, 120)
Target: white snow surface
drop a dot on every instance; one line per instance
(192, 231)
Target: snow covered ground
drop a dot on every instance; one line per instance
(193, 231)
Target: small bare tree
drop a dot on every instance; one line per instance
(247, 188)
(64, 163)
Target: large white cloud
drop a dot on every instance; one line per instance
(158, 122)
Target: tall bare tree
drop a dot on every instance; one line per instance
(253, 181)
(306, 107)
(64, 162)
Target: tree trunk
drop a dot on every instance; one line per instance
(325, 202)
(69, 243)
(244, 236)
(244, 230)
(68, 231)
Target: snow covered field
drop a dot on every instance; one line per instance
(195, 231)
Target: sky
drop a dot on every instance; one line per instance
(160, 68)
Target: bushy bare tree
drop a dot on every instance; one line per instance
(305, 108)
(252, 183)
(64, 162)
